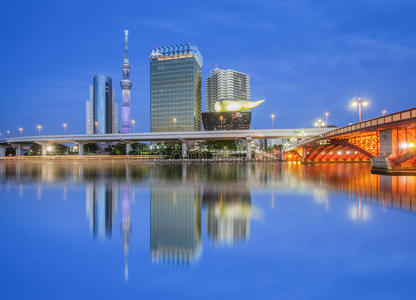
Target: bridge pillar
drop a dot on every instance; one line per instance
(389, 151)
(184, 149)
(2, 150)
(388, 147)
(44, 149)
(248, 149)
(18, 148)
(81, 149)
(128, 148)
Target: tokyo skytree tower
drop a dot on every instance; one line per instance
(126, 85)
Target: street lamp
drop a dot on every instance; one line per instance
(39, 127)
(65, 125)
(384, 112)
(359, 102)
(326, 117)
(221, 118)
(21, 130)
(8, 132)
(319, 124)
(133, 122)
(272, 116)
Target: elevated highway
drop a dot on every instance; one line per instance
(242, 137)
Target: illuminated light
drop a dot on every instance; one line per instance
(323, 153)
(229, 105)
(403, 145)
(290, 155)
(49, 148)
(411, 145)
(331, 153)
(355, 152)
(339, 153)
(348, 152)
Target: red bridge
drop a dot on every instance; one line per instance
(389, 142)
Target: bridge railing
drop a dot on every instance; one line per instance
(379, 121)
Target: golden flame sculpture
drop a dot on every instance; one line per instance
(235, 105)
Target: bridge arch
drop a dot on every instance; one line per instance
(352, 146)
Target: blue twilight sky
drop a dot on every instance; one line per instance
(304, 57)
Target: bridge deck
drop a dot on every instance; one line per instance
(376, 123)
(167, 136)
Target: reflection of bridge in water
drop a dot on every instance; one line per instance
(344, 179)
(178, 193)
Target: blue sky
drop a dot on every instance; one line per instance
(304, 57)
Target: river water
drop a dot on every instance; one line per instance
(121, 230)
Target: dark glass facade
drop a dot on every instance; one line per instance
(238, 120)
(175, 94)
(103, 100)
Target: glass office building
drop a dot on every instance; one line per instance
(175, 88)
(101, 109)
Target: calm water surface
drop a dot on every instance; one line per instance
(121, 230)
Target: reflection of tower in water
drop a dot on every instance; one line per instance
(125, 225)
(228, 214)
(175, 224)
(101, 208)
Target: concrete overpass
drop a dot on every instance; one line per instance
(242, 137)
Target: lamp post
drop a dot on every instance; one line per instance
(319, 124)
(221, 118)
(39, 127)
(21, 130)
(64, 125)
(360, 103)
(133, 122)
(326, 117)
(272, 116)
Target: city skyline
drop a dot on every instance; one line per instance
(316, 72)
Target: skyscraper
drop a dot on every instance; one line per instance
(175, 88)
(101, 109)
(126, 85)
(226, 85)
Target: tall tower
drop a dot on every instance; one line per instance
(126, 85)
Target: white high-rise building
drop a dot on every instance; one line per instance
(226, 85)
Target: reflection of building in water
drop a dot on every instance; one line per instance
(125, 225)
(228, 214)
(101, 207)
(175, 224)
